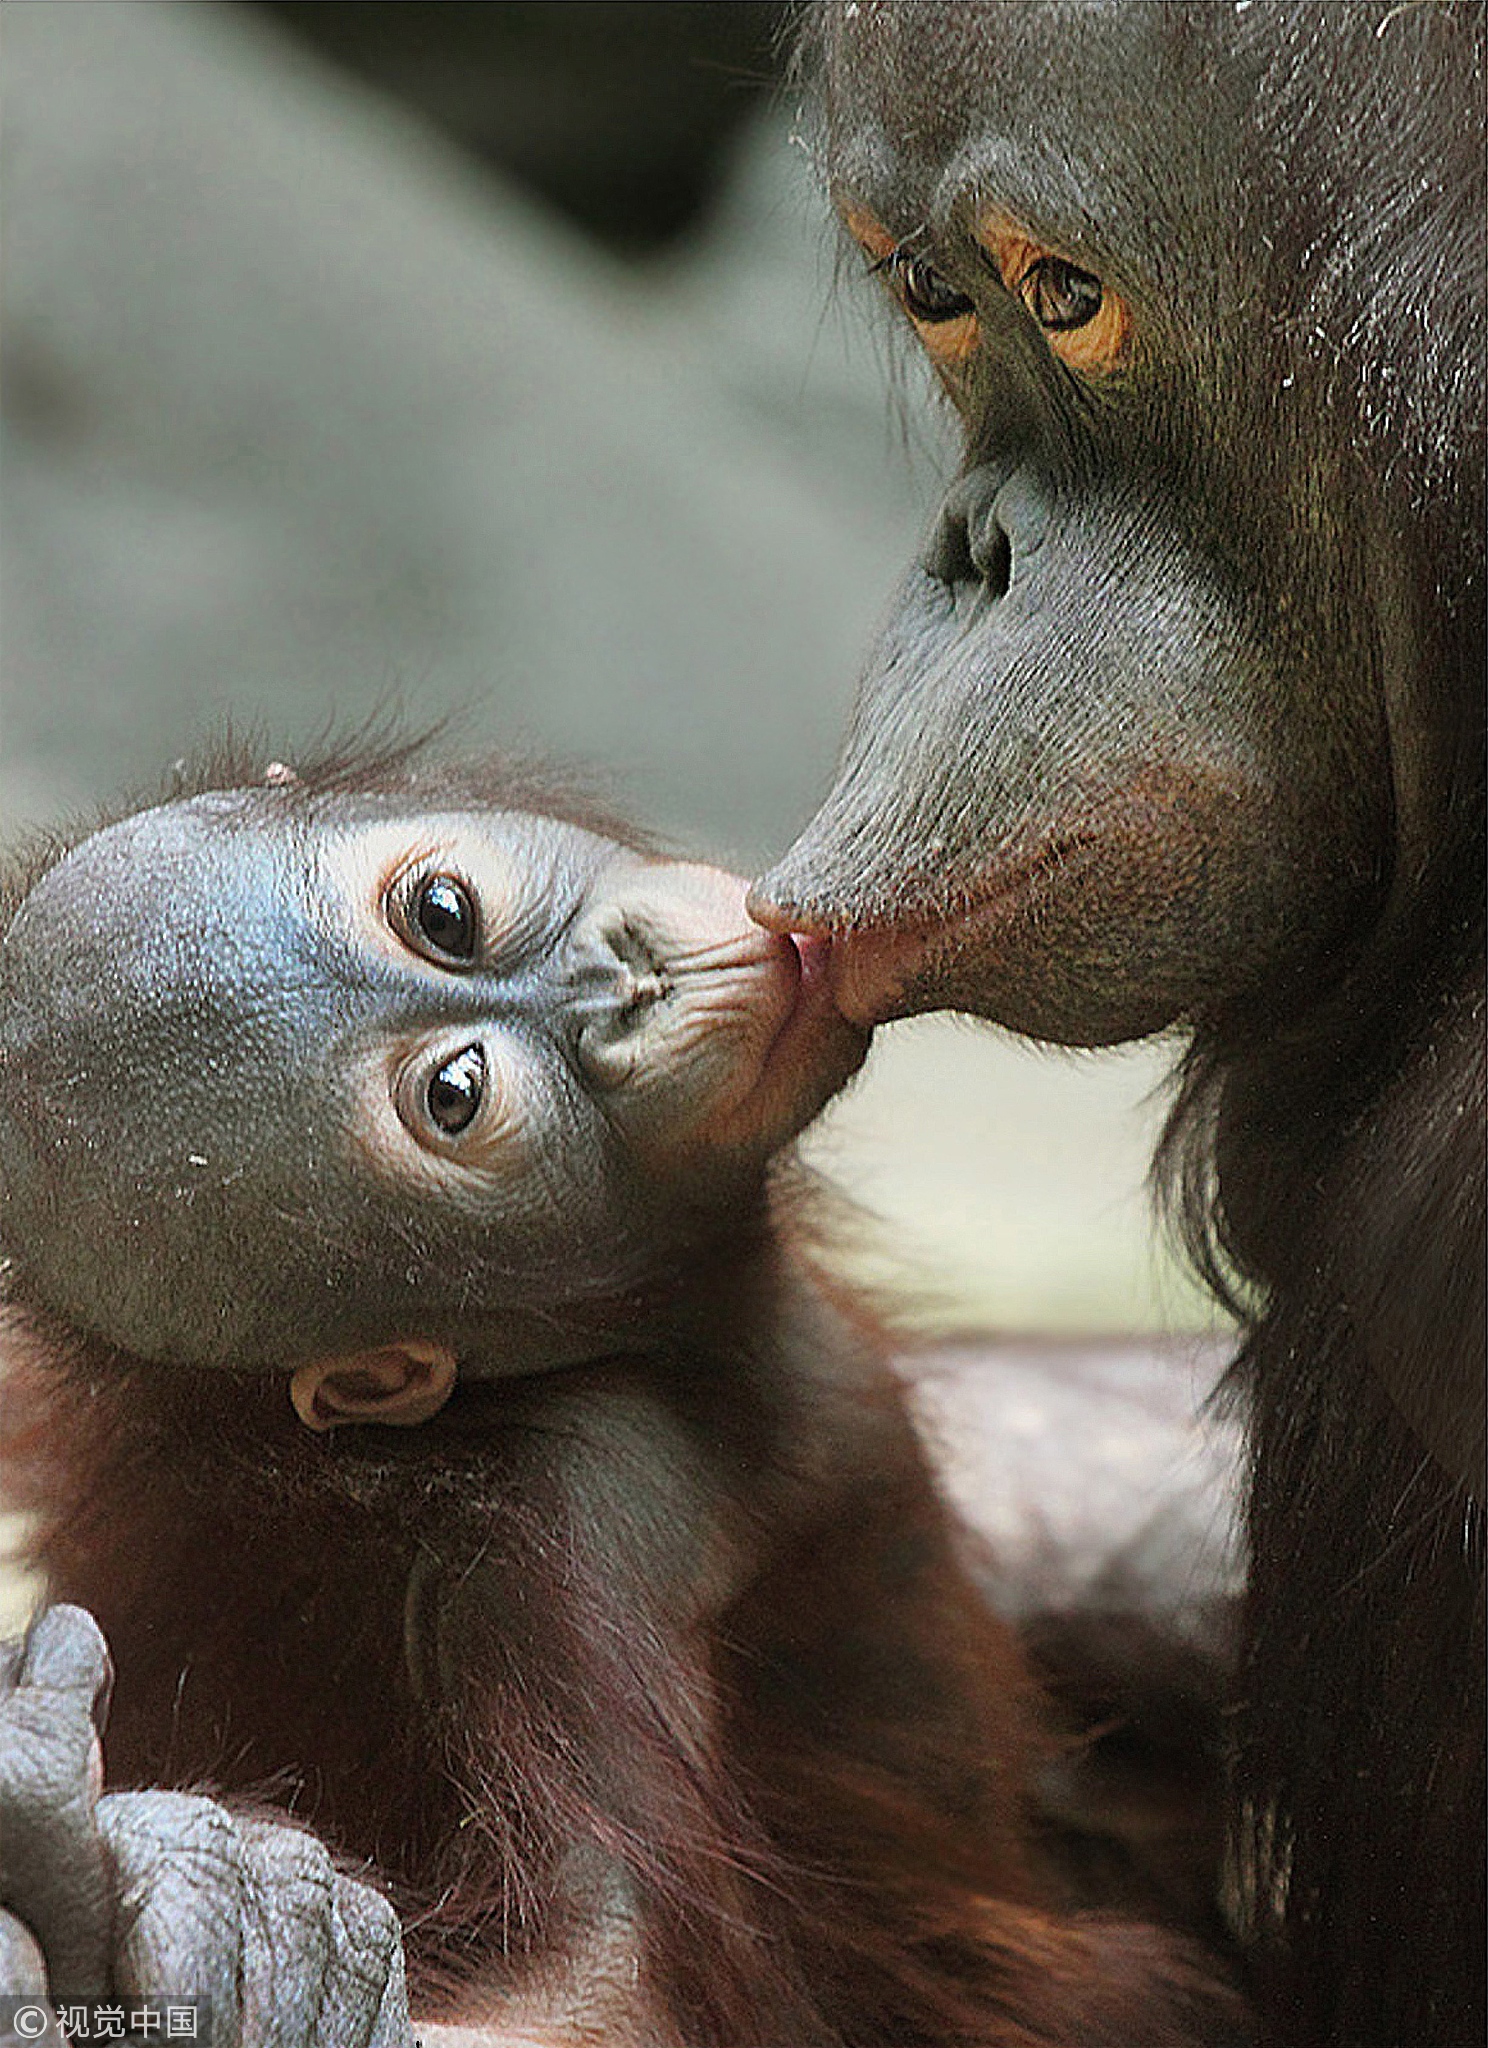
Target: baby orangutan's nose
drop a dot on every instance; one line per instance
(620, 978)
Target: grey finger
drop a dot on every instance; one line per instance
(64, 1651)
(254, 1919)
(54, 1873)
(23, 1972)
(333, 1943)
(178, 1863)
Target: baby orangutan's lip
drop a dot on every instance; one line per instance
(810, 1052)
(814, 1006)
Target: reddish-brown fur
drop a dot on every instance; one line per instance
(685, 1633)
(817, 1788)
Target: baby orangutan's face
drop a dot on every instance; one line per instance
(274, 1064)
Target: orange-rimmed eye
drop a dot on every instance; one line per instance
(944, 318)
(927, 297)
(1087, 324)
(1060, 295)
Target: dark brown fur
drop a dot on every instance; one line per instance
(1295, 195)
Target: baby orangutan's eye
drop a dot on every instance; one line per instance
(443, 917)
(454, 1094)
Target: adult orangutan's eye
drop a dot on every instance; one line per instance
(444, 917)
(927, 296)
(454, 1093)
(1059, 294)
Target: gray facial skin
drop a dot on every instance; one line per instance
(276, 1069)
(1144, 717)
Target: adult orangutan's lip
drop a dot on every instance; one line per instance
(871, 971)
(878, 971)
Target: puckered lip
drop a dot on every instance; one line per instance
(813, 1011)
(805, 1051)
(874, 968)
(813, 1041)
(812, 1050)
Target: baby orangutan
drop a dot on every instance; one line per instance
(416, 1365)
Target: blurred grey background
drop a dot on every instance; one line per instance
(493, 360)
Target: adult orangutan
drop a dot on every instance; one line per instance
(1178, 722)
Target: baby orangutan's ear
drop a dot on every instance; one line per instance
(400, 1385)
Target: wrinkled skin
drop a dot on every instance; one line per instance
(590, 1595)
(146, 1894)
(161, 1109)
(1178, 722)
(1136, 736)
